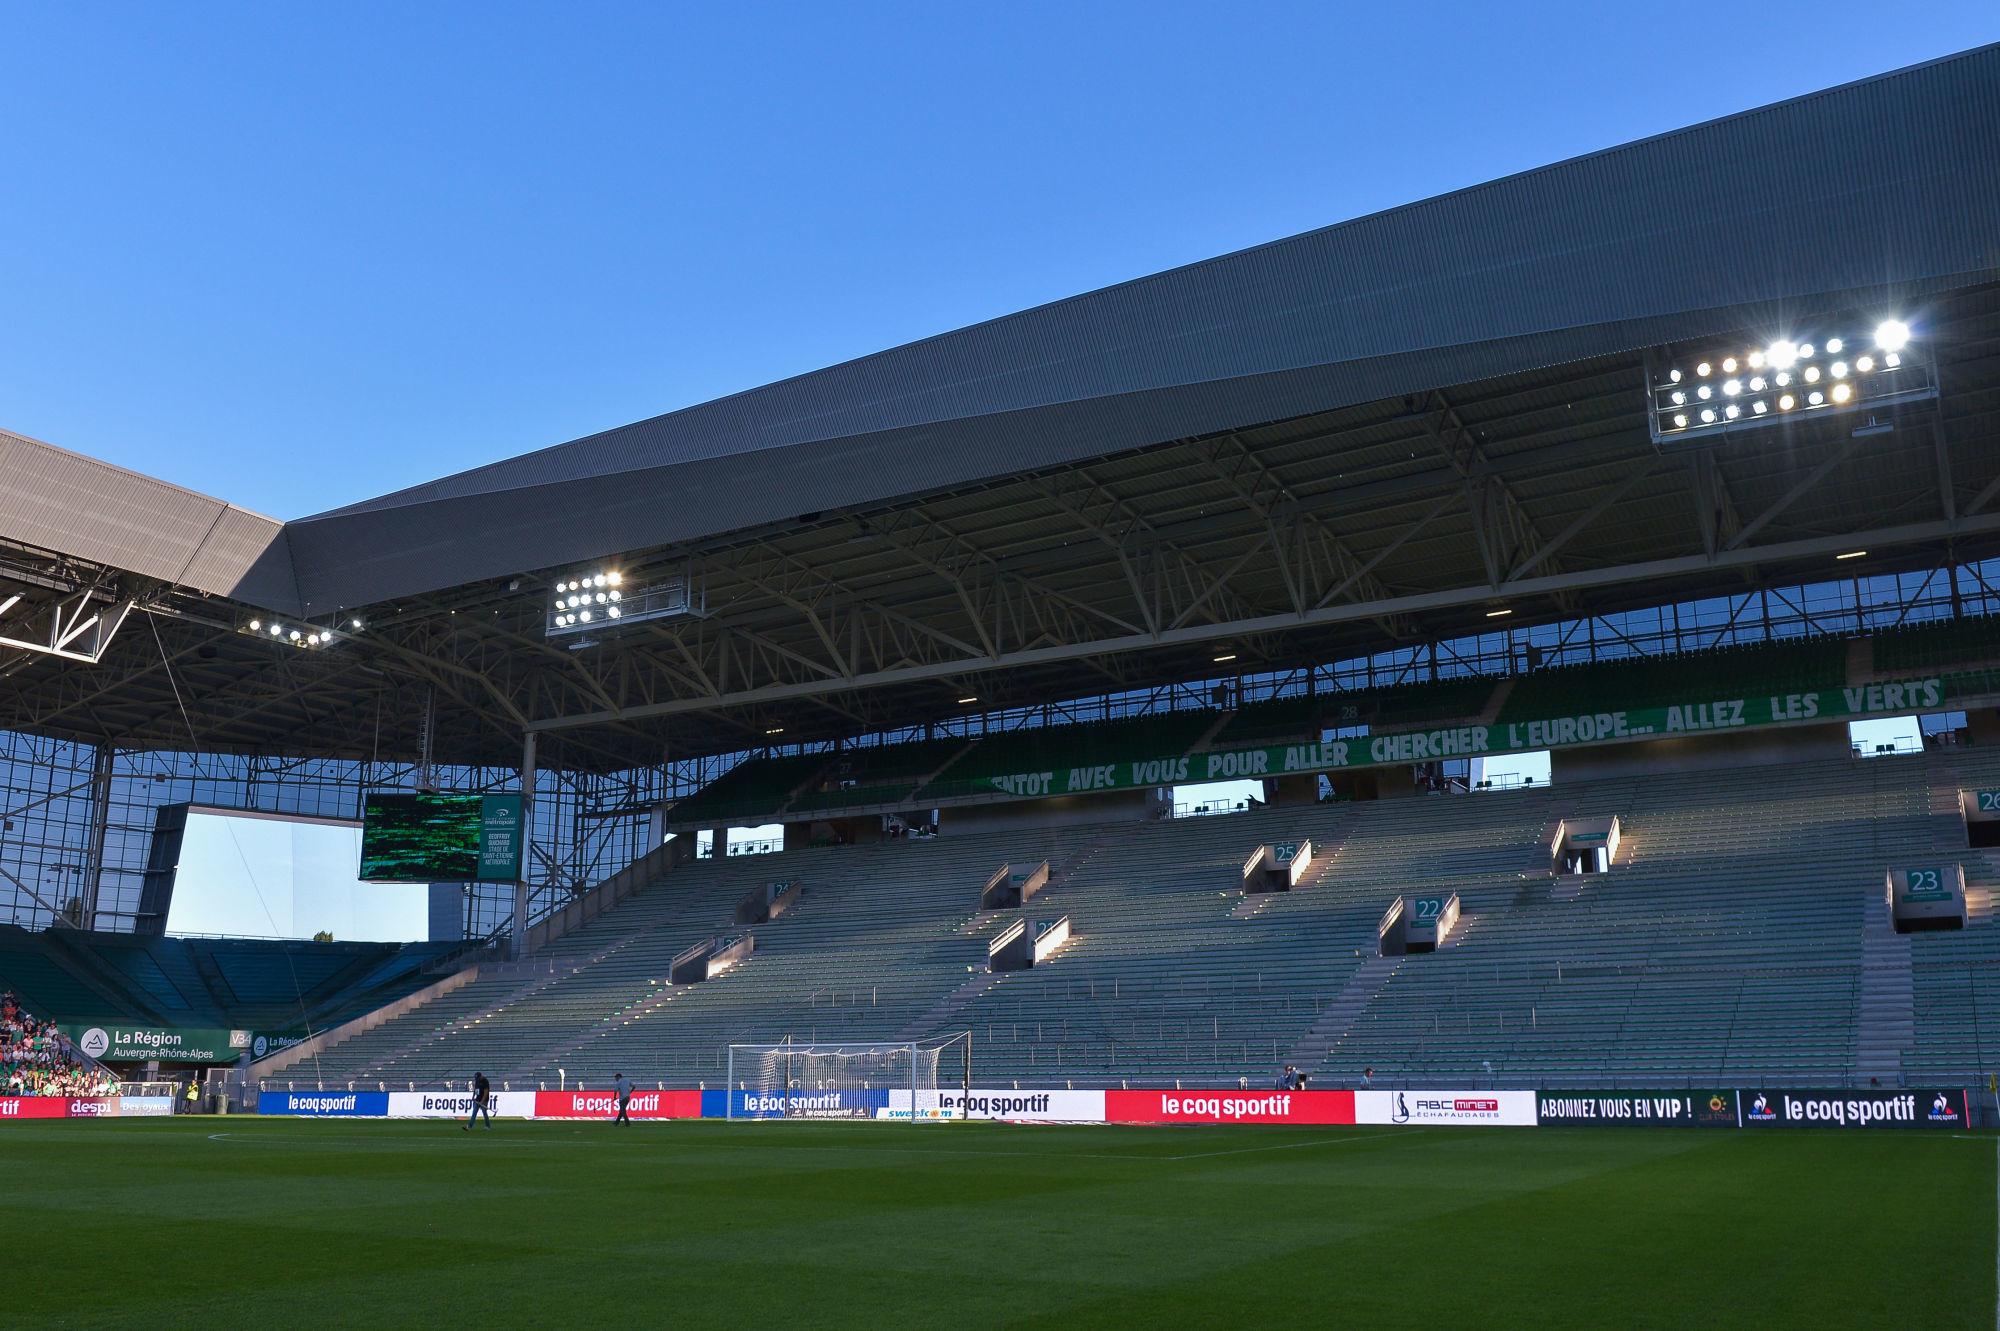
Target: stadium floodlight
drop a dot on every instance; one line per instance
(304, 637)
(1687, 401)
(602, 596)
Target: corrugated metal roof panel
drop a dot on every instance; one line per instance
(74, 505)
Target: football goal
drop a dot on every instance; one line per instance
(898, 1079)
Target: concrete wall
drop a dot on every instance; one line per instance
(1060, 811)
(1688, 753)
(447, 913)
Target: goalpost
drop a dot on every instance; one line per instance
(849, 1079)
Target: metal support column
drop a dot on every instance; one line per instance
(520, 935)
(100, 820)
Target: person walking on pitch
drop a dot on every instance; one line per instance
(482, 1102)
(623, 1086)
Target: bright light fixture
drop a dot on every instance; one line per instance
(1892, 335)
(1495, 614)
(1226, 656)
(963, 701)
(1842, 392)
(1852, 554)
(1781, 355)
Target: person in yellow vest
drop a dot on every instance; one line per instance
(194, 1095)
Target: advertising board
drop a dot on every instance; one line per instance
(846, 1103)
(1005, 1106)
(163, 1044)
(604, 1105)
(1229, 1106)
(457, 1104)
(325, 1104)
(1666, 1109)
(83, 1106)
(1471, 1108)
(1872, 1108)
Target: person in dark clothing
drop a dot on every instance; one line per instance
(623, 1086)
(482, 1102)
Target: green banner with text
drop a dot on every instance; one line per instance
(1418, 746)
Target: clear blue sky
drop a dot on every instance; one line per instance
(297, 255)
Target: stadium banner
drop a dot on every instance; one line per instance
(1646, 1109)
(1871, 1108)
(325, 1104)
(457, 1104)
(1023, 1106)
(260, 1043)
(59, 1106)
(604, 1105)
(1118, 772)
(145, 1106)
(163, 1044)
(1000, 1106)
(844, 1103)
(1229, 1106)
(1513, 1109)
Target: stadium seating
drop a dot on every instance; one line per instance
(1938, 645)
(1726, 943)
(247, 984)
(1659, 681)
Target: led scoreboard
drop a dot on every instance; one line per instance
(440, 838)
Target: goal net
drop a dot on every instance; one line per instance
(889, 1080)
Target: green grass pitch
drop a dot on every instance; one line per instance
(296, 1223)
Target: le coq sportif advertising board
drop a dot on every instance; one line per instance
(1700, 1108)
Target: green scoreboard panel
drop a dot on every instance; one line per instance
(440, 838)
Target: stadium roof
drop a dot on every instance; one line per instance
(1367, 434)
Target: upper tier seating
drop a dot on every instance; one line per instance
(248, 984)
(1938, 645)
(1689, 677)
(750, 789)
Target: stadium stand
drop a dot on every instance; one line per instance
(230, 983)
(1729, 672)
(759, 786)
(1735, 938)
(38, 1059)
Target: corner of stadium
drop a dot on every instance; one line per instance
(1529, 659)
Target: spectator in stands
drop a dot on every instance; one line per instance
(1367, 1078)
(38, 1059)
(1284, 1080)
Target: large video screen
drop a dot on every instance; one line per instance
(260, 877)
(440, 838)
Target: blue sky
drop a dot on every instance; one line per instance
(295, 255)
